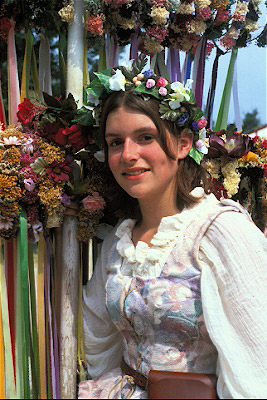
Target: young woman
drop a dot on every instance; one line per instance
(180, 284)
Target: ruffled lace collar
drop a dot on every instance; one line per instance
(147, 261)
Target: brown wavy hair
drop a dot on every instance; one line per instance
(189, 173)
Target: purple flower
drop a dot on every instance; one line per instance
(182, 119)
(65, 200)
(149, 73)
(233, 147)
(29, 184)
(239, 24)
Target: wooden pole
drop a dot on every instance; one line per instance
(70, 259)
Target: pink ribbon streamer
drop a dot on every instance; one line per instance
(112, 51)
(13, 80)
(199, 71)
(173, 65)
(45, 65)
(2, 109)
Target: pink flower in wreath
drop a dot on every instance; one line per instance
(162, 82)
(163, 91)
(94, 202)
(202, 123)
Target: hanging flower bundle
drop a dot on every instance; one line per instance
(238, 167)
(40, 169)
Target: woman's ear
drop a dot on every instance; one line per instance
(185, 142)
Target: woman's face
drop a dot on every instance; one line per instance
(136, 158)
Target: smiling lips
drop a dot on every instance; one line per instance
(135, 173)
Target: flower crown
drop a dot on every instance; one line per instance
(177, 102)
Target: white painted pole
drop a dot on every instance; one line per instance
(70, 246)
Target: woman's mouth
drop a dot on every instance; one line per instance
(135, 172)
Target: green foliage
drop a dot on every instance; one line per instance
(251, 121)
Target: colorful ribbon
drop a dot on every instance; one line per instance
(199, 71)
(212, 89)
(222, 120)
(9, 369)
(45, 65)
(27, 66)
(13, 80)
(2, 358)
(238, 119)
(173, 64)
(2, 109)
(112, 51)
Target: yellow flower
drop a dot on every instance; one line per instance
(220, 3)
(67, 13)
(159, 15)
(12, 155)
(51, 153)
(152, 46)
(250, 157)
(185, 8)
(9, 187)
(231, 177)
(50, 195)
(197, 27)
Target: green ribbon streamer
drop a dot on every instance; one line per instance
(102, 65)
(34, 343)
(222, 120)
(11, 390)
(19, 338)
(35, 76)
(24, 274)
(162, 66)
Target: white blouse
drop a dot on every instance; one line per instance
(233, 259)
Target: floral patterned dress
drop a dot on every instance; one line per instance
(151, 312)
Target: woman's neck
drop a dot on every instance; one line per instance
(152, 213)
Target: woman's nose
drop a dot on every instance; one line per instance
(130, 151)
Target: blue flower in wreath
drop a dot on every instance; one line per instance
(149, 73)
(195, 126)
(182, 119)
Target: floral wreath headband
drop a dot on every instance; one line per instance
(177, 102)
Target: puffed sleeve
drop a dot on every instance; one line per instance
(233, 257)
(103, 342)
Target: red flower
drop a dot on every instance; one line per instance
(28, 111)
(256, 138)
(59, 172)
(74, 137)
(162, 82)
(5, 25)
(264, 144)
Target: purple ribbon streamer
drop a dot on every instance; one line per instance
(199, 71)
(238, 120)
(173, 64)
(134, 47)
(112, 51)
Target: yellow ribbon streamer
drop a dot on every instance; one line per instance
(2, 358)
(41, 317)
(6, 329)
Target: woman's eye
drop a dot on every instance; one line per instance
(147, 138)
(115, 143)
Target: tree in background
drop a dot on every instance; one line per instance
(251, 121)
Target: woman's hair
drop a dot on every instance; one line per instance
(189, 174)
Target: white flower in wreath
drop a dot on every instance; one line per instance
(117, 82)
(181, 93)
(201, 143)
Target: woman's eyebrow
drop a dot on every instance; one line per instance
(139, 130)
